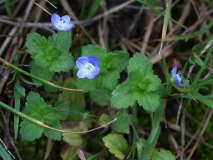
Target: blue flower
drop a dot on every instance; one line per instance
(88, 67)
(61, 24)
(177, 77)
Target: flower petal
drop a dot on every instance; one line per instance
(82, 73)
(61, 24)
(55, 19)
(174, 70)
(66, 19)
(82, 62)
(178, 79)
(67, 27)
(93, 73)
(93, 60)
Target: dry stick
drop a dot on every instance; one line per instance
(72, 14)
(41, 7)
(201, 134)
(147, 35)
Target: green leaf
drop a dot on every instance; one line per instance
(110, 79)
(116, 60)
(122, 97)
(76, 112)
(87, 84)
(93, 50)
(4, 154)
(54, 60)
(156, 122)
(52, 54)
(63, 109)
(18, 92)
(149, 100)
(141, 64)
(62, 41)
(38, 109)
(101, 96)
(122, 121)
(30, 131)
(93, 8)
(149, 83)
(162, 154)
(147, 151)
(117, 144)
(104, 119)
(71, 97)
(35, 69)
(111, 66)
(36, 44)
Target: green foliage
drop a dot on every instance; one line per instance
(4, 154)
(101, 96)
(35, 69)
(52, 54)
(93, 8)
(162, 154)
(141, 86)
(103, 120)
(117, 144)
(18, 92)
(122, 121)
(71, 97)
(38, 109)
(111, 65)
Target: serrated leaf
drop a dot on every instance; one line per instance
(110, 79)
(104, 119)
(36, 108)
(140, 63)
(35, 69)
(94, 50)
(162, 154)
(122, 121)
(36, 44)
(71, 97)
(101, 96)
(117, 60)
(122, 97)
(149, 100)
(54, 60)
(117, 144)
(150, 83)
(62, 41)
(87, 84)
(30, 131)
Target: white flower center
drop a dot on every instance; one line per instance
(90, 66)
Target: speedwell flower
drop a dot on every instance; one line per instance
(177, 77)
(61, 24)
(88, 67)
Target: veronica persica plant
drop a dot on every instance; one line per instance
(61, 23)
(88, 67)
(177, 77)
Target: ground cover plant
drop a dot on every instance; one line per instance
(106, 79)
